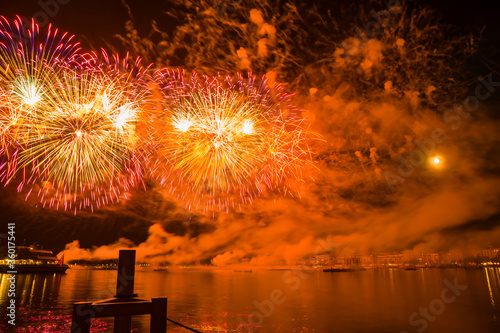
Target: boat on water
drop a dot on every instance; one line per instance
(30, 259)
(445, 266)
(340, 269)
(160, 269)
(410, 268)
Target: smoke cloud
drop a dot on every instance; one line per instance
(345, 197)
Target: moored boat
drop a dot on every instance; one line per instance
(340, 269)
(30, 259)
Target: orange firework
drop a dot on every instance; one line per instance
(81, 148)
(226, 138)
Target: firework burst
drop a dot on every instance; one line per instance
(80, 146)
(69, 127)
(29, 59)
(226, 138)
(74, 128)
(31, 53)
(68, 120)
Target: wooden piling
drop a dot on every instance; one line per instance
(126, 274)
(82, 315)
(159, 315)
(124, 305)
(125, 287)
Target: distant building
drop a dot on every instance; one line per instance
(356, 260)
(323, 260)
(410, 257)
(281, 262)
(452, 257)
(385, 259)
(430, 258)
(487, 253)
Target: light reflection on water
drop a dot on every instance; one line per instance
(310, 301)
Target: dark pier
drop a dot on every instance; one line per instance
(123, 305)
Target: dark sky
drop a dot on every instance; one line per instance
(97, 20)
(102, 19)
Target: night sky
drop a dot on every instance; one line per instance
(461, 206)
(99, 21)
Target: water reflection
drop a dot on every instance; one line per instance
(32, 290)
(38, 304)
(222, 300)
(492, 275)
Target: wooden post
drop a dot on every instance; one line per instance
(159, 315)
(126, 272)
(82, 315)
(122, 324)
(125, 287)
(124, 305)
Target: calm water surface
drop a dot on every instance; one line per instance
(385, 300)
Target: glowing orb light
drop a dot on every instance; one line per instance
(436, 161)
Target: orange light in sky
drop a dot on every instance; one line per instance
(436, 161)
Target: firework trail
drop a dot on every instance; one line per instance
(226, 138)
(8, 119)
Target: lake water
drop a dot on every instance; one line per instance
(384, 300)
